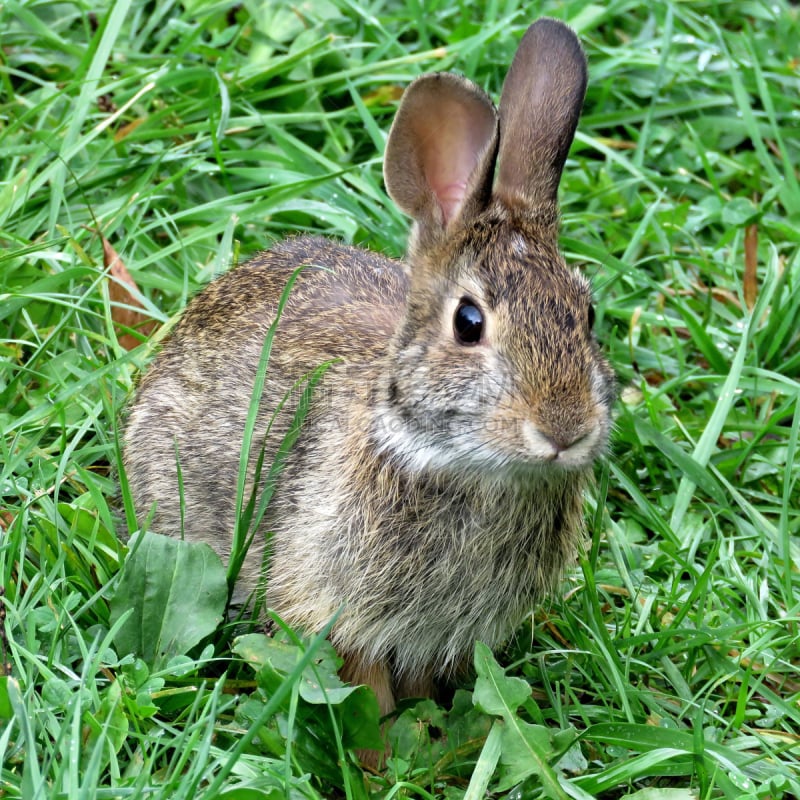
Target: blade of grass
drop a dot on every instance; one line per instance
(100, 49)
(706, 445)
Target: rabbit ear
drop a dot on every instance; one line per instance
(539, 109)
(441, 150)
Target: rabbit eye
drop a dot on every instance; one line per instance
(468, 323)
(590, 316)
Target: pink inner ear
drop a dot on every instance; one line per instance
(452, 151)
(450, 197)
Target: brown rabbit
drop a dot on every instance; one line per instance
(435, 491)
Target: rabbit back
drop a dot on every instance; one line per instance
(184, 428)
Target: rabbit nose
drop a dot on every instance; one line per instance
(562, 415)
(563, 440)
(549, 433)
(547, 443)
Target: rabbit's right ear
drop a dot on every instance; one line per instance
(441, 150)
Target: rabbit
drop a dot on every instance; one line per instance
(435, 491)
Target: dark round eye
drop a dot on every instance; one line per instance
(468, 323)
(590, 316)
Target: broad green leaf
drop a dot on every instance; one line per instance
(260, 650)
(176, 592)
(410, 735)
(274, 659)
(56, 692)
(466, 725)
(496, 693)
(739, 211)
(526, 749)
(108, 726)
(274, 656)
(360, 719)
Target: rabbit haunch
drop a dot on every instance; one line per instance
(435, 492)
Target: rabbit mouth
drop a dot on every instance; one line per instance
(575, 449)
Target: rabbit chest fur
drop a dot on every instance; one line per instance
(435, 492)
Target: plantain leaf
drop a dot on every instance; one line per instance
(175, 591)
(525, 749)
(496, 693)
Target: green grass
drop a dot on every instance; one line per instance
(191, 135)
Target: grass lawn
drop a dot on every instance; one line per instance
(187, 136)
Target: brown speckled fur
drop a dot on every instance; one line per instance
(435, 492)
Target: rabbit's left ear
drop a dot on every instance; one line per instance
(441, 150)
(539, 110)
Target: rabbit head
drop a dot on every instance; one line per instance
(495, 321)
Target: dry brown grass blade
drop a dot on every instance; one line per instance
(124, 304)
(750, 265)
